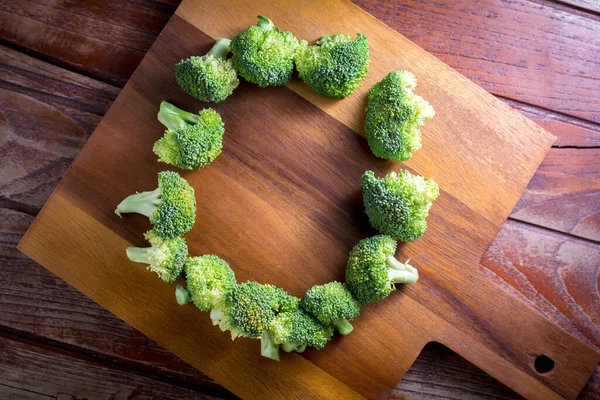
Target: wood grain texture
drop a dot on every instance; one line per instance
(535, 53)
(589, 5)
(567, 184)
(74, 377)
(104, 39)
(452, 31)
(82, 180)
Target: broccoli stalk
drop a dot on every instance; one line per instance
(175, 118)
(220, 49)
(139, 254)
(265, 23)
(144, 203)
(343, 326)
(268, 348)
(165, 256)
(401, 272)
(182, 295)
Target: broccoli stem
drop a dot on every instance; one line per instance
(139, 254)
(292, 346)
(182, 295)
(216, 315)
(343, 326)
(175, 118)
(265, 23)
(220, 49)
(144, 203)
(268, 348)
(401, 273)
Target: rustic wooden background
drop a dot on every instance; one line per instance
(63, 62)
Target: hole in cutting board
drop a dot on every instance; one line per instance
(543, 364)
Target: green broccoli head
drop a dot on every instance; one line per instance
(394, 115)
(294, 330)
(209, 279)
(263, 54)
(335, 66)
(165, 256)
(332, 304)
(249, 307)
(171, 207)
(398, 204)
(373, 270)
(209, 78)
(191, 141)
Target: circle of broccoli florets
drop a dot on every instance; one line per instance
(209, 278)
(264, 55)
(332, 304)
(335, 66)
(393, 117)
(398, 204)
(373, 270)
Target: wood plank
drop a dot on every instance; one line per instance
(569, 131)
(475, 329)
(556, 273)
(103, 39)
(32, 371)
(519, 49)
(452, 31)
(567, 184)
(589, 5)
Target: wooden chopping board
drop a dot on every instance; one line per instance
(283, 205)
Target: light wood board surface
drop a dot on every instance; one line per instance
(283, 205)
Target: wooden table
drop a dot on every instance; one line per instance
(64, 62)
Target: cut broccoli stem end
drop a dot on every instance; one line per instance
(401, 272)
(220, 49)
(343, 326)
(175, 118)
(265, 23)
(144, 203)
(292, 346)
(182, 295)
(268, 348)
(139, 254)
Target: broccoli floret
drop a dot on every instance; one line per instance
(191, 141)
(332, 304)
(294, 330)
(165, 256)
(398, 204)
(171, 207)
(394, 115)
(335, 66)
(373, 270)
(209, 279)
(209, 78)
(263, 54)
(249, 307)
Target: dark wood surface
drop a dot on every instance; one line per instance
(53, 96)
